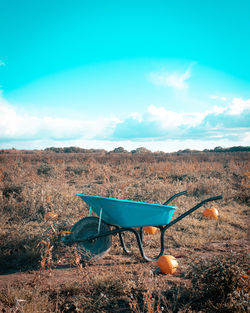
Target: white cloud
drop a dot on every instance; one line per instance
(15, 126)
(2, 63)
(9, 119)
(175, 80)
(136, 116)
(171, 119)
(238, 105)
(217, 110)
(219, 98)
(235, 107)
(231, 122)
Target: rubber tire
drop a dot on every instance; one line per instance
(94, 249)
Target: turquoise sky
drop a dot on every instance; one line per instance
(166, 75)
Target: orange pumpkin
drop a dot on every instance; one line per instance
(65, 233)
(50, 216)
(168, 264)
(245, 276)
(151, 230)
(211, 213)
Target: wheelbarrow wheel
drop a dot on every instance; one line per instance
(95, 248)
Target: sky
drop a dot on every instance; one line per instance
(165, 75)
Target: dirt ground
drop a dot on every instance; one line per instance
(67, 273)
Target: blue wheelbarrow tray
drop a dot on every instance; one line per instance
(128, 213)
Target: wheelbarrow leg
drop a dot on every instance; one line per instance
(125, 249)
(139, 238)
(141, 233)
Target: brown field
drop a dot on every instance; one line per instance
(40, 274)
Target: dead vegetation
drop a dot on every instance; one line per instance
(33, 184)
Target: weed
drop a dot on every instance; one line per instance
(44, 169)
(218, 283)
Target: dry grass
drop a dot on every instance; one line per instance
(32, 184)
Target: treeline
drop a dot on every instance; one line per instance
(141, 150)
(101, 151)
(217, 149)
(119, 150)
(74, 150)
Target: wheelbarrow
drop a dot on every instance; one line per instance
(93, 235)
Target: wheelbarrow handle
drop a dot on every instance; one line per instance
(192, 210)
(174, 196)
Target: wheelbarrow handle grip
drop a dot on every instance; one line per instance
(213, 198)
(174, 196)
